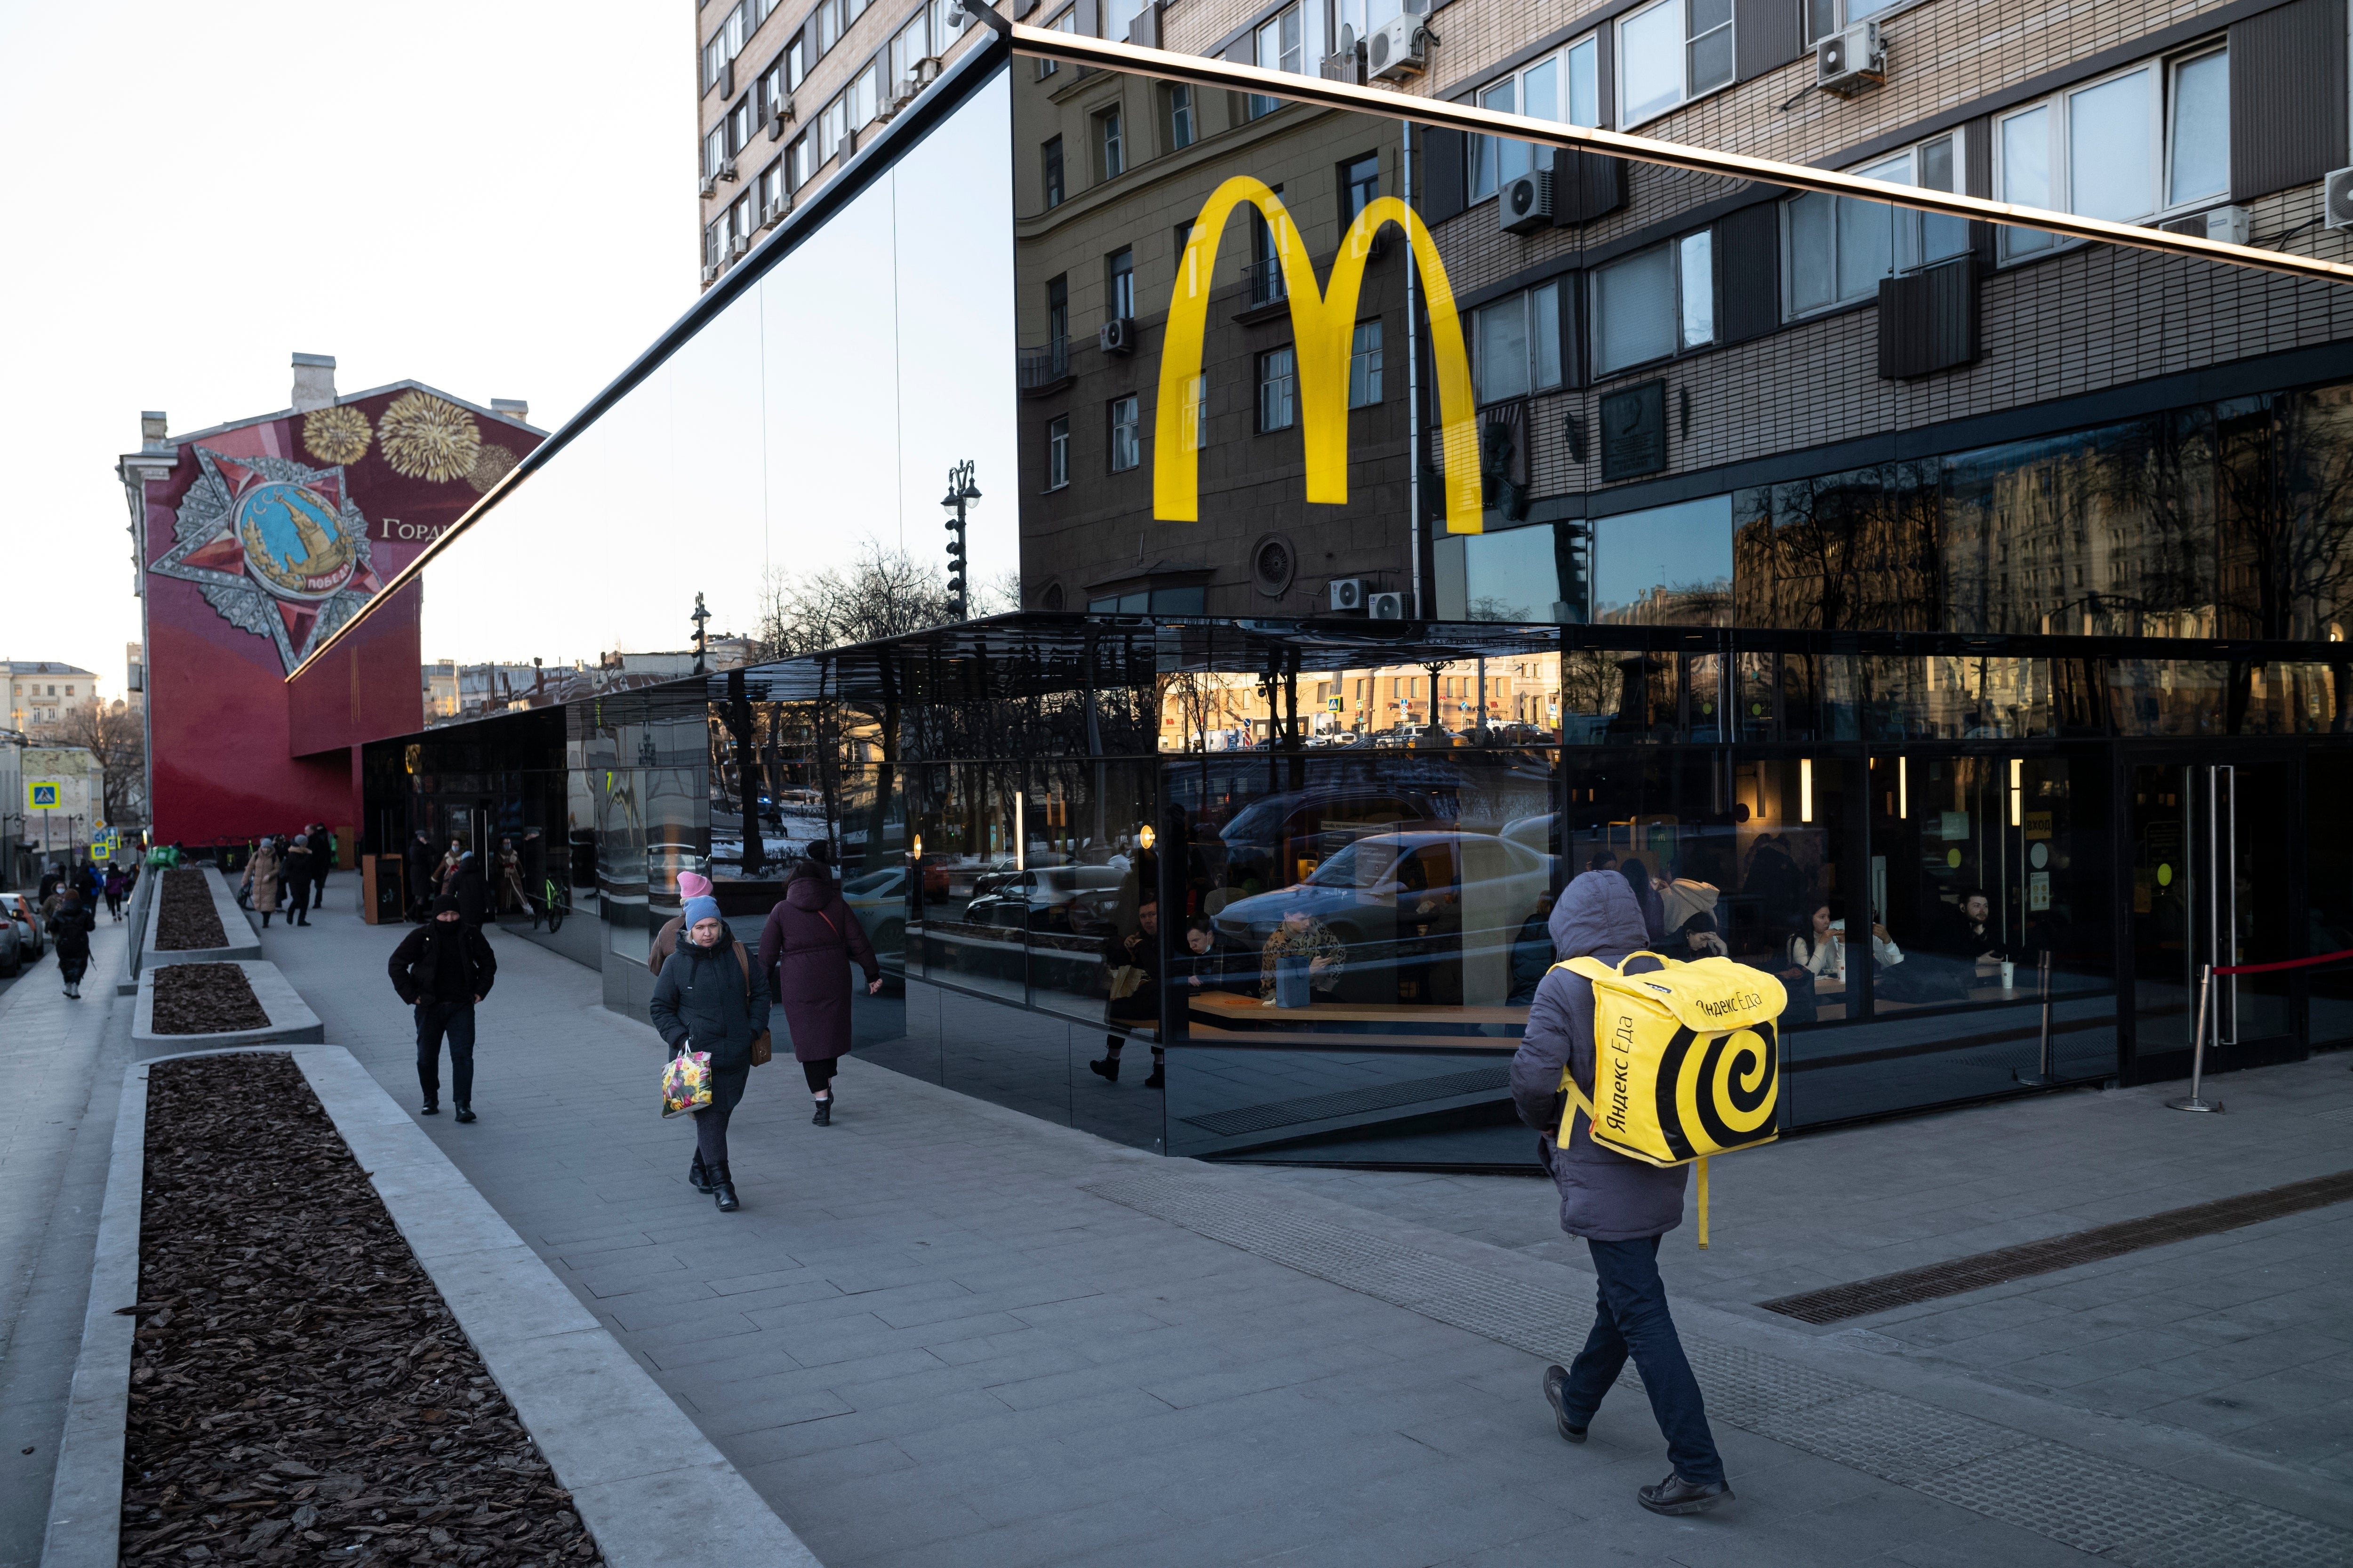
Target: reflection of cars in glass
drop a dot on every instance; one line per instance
(1410, 908)
(878, 899)
(1314, 824)
(12, 950)
(28, 922)
(1045, 897)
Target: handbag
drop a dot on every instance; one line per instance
(763, 1049)
(686, 1082)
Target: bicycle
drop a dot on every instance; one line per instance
(555, 902)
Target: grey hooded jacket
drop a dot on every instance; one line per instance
(1603, 1197)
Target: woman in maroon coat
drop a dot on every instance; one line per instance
(807, 949)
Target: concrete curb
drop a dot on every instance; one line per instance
(244, 942)
(85, 1529)
(646, 1481)
(292, 1022)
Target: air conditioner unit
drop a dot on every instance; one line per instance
(1524, 203)
(2336, 198)
(727, 171)
(779, 117)
(888, 109)
(1116, 336)
(908, 87)
(711, 274)
(1400, 48)
(2227, 224)
(1384, 606)
(709, 185)
(1850, 62)
(928, 68)
(739, 245)
(774, 213)
(1348, 595)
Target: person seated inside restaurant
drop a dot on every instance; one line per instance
(1301, 956)
(1203, 965)
(1966, 931)
(1693, 927)
(1532, 950)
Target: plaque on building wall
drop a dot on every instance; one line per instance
(1634, 431)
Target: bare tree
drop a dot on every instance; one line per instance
(882, 594)
(115, 735)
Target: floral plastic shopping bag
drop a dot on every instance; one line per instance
(686, 1082)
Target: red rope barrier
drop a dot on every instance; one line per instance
(2283, 963)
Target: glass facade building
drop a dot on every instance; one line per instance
(1355, 589)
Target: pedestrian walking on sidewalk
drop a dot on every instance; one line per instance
(323, 860)
(118, 884)
(261, 880)
(711, 997)
(1133, 961)
(441, 968)
(299, 870)
(691, 885)
(70, 925)
(807, 947)
(1620, 1207)
(472, 893)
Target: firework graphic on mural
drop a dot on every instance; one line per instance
(337, 435)
(278, 549)
(489, 467)
(424, 437)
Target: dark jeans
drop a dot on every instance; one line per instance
(820, 1074)
(1631, 1318)
(454, 1019)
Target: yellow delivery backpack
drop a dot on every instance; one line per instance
(1686, 1061)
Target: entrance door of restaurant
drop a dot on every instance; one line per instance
(2213, 876)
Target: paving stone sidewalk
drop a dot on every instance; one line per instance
(942, 1331)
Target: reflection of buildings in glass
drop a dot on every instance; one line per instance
(1094, 272)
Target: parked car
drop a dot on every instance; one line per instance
(12, 951)
(28, 922)
(1047, 898)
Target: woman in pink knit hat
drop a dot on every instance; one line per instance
(689, 885)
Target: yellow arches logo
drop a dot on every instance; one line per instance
(1323, 325)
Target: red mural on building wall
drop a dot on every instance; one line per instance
(262, 539)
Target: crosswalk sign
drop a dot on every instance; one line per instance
(43, 794)
(99, 850)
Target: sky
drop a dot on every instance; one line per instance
(494, 198)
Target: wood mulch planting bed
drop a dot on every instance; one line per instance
(187, 920)
(206, 999)
(300, 1393)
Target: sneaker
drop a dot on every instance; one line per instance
(1677, 1495)
(1556, 1384)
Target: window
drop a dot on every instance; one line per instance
(772, 189)
(1669, 54)
(739, 125)
(1057, 314)
(1360, 185)
(2143, 141)
(1179, 100)
(1564, 86)
(906, 51)
(768, 92)
(1193, 417)
(1119, 276)
(1107, 138)
(832, 128)
(829, 27)
(1280, 47)
(714, 61)
(1052, 153)
(1654, 304)
(1267, 284)
(1824, 17)
(1126, 439)
(742, 214)
(796, 61)
(1516, 345)
(714, 151)
(860, 94)
(797, 167)
(1068, 21)
(736, 29)
(1365, 365)
(1057, 452)
(1836, 250)
(1278, 390)
(715, 242)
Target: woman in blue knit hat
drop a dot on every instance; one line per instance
(711, 997)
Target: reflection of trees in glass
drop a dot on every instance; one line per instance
(1842, 551)
(2286, 505)
(1490, 608)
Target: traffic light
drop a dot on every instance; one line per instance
(956, 565)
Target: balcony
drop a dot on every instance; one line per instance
(1043, 370)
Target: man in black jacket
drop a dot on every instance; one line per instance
(441, 968)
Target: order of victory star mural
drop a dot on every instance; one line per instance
(279, 549)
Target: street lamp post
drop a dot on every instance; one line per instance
(962, 499)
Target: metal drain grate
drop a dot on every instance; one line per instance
(1837, 1303)
(2080, 1500)
(1348, 1102)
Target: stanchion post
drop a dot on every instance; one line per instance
(2194, 1102)
(2046, 1071)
